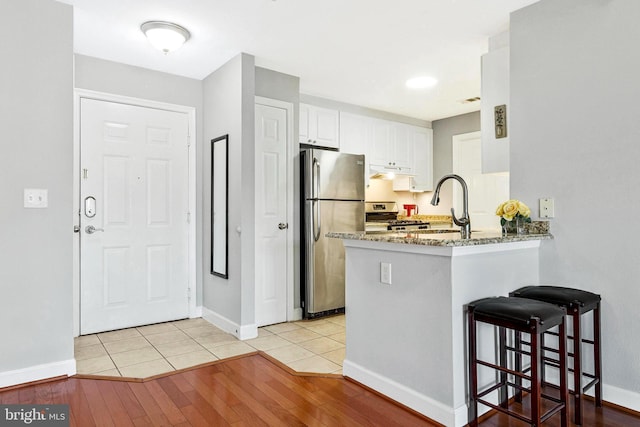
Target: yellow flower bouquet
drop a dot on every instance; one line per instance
(513, 214)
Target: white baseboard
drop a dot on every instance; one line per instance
(296, 315)
(433, 409)
(248, 332)
(38, 372)
(619, 396)
(196, 313)
(242, 332)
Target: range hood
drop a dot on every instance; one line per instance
(388, 171)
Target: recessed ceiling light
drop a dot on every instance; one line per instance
(165, 36)
(421, 82)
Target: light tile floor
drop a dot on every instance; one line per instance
(306, 346)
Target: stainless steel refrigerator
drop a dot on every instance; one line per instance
(332, 200)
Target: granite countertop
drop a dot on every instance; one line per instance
(442, 237)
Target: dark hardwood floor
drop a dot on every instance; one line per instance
(247, 391)
(606, 416)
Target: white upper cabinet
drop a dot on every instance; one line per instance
(421, 141)
(495, 92)
(354, 137)
(402, 145)
(319, 126)
(380, 147)
(422, 159)
(391, 145)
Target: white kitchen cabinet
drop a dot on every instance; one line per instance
(354, 138)
(380, 142)
(495, 92)
(391, 145)
(421, 179)
(319, 126)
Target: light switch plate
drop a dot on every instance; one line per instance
(35, 198)
(546, 208)
(385, 273)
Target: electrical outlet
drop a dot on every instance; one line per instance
(385, 273)
(35, 198)
(546, 208)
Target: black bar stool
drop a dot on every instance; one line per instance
(519, 315)
(577, 302)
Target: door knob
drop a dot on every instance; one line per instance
(90, 229)
(283, 226)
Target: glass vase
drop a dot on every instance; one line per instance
(514, 227)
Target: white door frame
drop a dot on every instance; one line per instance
(456, 192)
(191, 112)
(292, 313)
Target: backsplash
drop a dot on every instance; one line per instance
(381, 190)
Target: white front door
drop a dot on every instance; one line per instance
(486, 191)
(134, 193)
(271, 215)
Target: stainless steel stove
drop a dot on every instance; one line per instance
(383, 216)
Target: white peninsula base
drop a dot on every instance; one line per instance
(407, 339)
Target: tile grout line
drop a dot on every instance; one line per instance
(154, 347)
(108, 354)
(300, 326)
(311, 351)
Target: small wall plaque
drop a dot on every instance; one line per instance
(500, 115)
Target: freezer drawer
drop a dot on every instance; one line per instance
(324, 263)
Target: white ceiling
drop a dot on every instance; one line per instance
(355, 51)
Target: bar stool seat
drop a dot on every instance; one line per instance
(520, 312)
(565, 297)
(576, 302)
(519, 315)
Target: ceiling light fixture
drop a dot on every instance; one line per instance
(165, 36)
(421, 82)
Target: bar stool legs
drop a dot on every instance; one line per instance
(520, 316)
(577, 365)
(576, 302)
(596, 381)
(598, 354)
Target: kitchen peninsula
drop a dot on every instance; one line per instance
(405, 309)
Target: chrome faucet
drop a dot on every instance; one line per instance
(464, 222)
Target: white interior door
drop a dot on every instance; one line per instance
(134, 266)
(271, 215)
(486, 191)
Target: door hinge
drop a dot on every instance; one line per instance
(85, 173)
(188, 293)
(188, 140)
(188, 217)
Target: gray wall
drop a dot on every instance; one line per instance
(443, 132)
(575, 137)
(229, 109)
(36, 118)
(121, 79)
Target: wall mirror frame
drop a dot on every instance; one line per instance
(220, 206)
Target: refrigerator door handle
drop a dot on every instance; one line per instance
(316, 220)
(316, 178)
